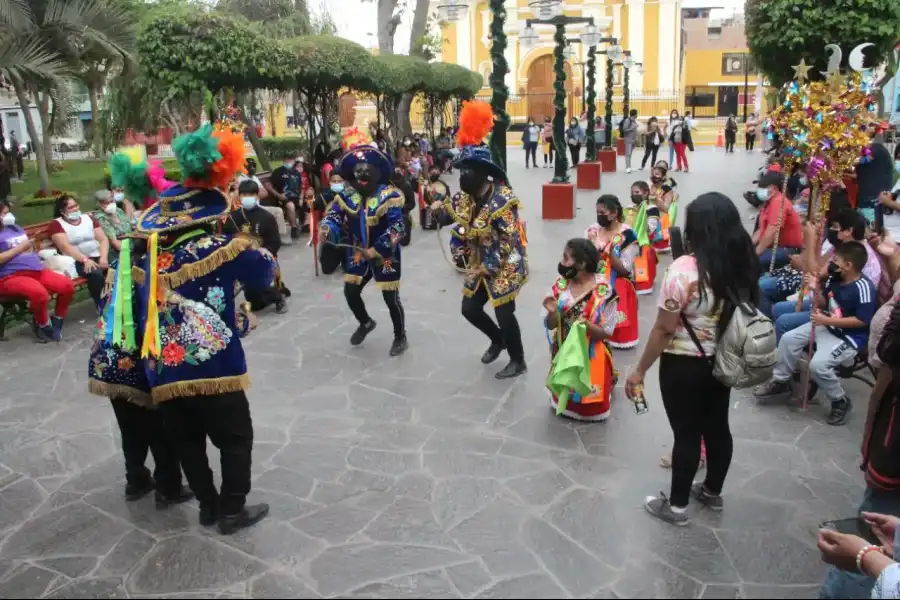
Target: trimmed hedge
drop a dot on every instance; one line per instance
(276, 147)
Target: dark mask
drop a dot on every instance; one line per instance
(603, 221)
(833, 270)
(569, 272)
(366, 178)
(637, 198)
(471, 181)
(656, 179)
(434, 176)
(832, 237)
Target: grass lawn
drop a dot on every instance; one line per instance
(79, 177)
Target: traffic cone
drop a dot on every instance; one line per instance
(720, 139)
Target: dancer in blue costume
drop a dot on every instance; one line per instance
(367, 220)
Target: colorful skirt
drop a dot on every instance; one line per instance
(662, 243)
(626, 332)
(645, 271)
(594, 407)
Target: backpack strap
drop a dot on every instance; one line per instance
(695, 339)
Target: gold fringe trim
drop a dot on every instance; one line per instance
(117, 390)
(388, 286)
(382, 210)
(138, 276)
(108, 283)
(354, 279)
(207, 265)
(495, 302)
(200, 387)
(359, 202)
(471, 231)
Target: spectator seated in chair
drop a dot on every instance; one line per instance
(283, 190)
(81, 237)
(113, 220)
(23, 275)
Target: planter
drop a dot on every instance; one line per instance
(589, 175)
(620, 147)
(558, 201)
(607, 160)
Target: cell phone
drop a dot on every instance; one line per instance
(878, 226)
(853, 526)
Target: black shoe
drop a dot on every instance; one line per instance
(208, 515)
(57, 323)
(179, 497)
(513, 369)
(136, 491)
(281, 306)
(361, 332)
(840, 411)
(295, 233)
(251, 515)
(40, 333)
(492, 353)
(399, 346)
(285, 291)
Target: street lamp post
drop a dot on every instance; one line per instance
(500, 92)
(613, 52)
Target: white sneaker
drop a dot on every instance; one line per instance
(628, 170)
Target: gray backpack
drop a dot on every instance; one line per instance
(745, 355)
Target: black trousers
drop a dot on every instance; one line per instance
(353, 294)
(697, 407)
(650, 152)
(531, 150)
(225, 420)
(96, 279)
(750, 140)
(507, 333)
(730, 138)
(549, 154)
(143, 430)
(576, 153)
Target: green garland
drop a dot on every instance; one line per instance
(610, 65)
(591, 108)
(626, 94)
(498, 84)
(561, 168)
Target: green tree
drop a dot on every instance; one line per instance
(781, 32)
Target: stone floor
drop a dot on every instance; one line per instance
(419, 476)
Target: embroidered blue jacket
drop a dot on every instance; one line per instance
(376, 223)
(201, 352)
(492, 239)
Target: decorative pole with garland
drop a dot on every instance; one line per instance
(626, 92)
(498, 83)
(610, 65)
(591, 99)
(561, 168)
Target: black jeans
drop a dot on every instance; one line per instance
(531, 150)
(507, 334)
(649, 152)
(353, 294)
(143, 430)
(730, 138)
(225, 419)
(750, 140)
(549, 154)
(576, 152)
(96, 279)
(697, 407)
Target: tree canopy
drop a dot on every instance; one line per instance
(781, 32)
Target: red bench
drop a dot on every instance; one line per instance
(16, 309)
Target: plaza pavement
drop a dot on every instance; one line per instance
(420, 476)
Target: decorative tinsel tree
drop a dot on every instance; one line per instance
(626, 93)
(498, 84)
(591, 99)
(610, 65)
(561, 168)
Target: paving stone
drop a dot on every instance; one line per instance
(458, 498)
(795, 592)
(721, 592)
(17, 501)
(70, 566)
(187, 563)
(595, 521)
(655, 580)
(27, 582)
(382, 461)
(280, 585)
(275, 543)
(284, 481)
(526, 586)
(574, 568)
(451, 464)
(432, 584)
(335, 524)
(469, 578)
(540, 488)
(72, 530)
(91, 588)
(314, 459)
(415, 485)
(409, 521)
(393, 436)
(776, 485)
(125, 555)
(143, 514)
(492, 534)
(765, 558)
(445, 440)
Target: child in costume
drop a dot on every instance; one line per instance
(665, 200)
(638, 218)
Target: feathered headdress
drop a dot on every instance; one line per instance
(358, 148)
(131, 176)
(476, 119)
(355, 138)
(209, 159)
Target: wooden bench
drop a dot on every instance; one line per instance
(16, 309)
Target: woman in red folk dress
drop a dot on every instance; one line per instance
(618, 246)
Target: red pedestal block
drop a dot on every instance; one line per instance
(607, 160)
(620, 147)
(558, 201)
(589, 175)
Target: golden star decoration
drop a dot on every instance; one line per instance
(801, 71)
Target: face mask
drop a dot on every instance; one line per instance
(9, 219)
(471, 182)
(656, 179)
(833, 239)
(110, 209)
(569, 272)
(637, 198)
(434, 177)
(74, 215)
(337, 188)
(603, 221)
(249, 202)
(530, 123)
(287, 164)
(803, 180)
(897, 165)
(834, 270)
(119, 196)
(762, 194)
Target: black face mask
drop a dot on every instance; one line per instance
(833, 239)
(471, 181)
(434, 176)
(637, 198)
(569, 272)
(603, 221)
(656, 179)
(834, 270)
(366, 178)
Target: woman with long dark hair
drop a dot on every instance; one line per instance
(695, 308)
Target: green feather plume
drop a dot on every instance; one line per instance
(196, 152)
(131, 178)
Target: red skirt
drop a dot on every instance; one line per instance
(594, 407)
(649, 258)
(662, 246)
(626, 332)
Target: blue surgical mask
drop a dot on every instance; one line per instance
(337, 188)
(119, 196)
(249, 202)
(762, 193)
(804, 180)
(288, 164)
(74, 215)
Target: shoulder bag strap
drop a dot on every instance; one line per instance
(693, 335)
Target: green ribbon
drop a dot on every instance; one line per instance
(123, 312)
(640, 225)
(570, 371)
(673, 213)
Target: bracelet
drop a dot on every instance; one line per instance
(863, 552)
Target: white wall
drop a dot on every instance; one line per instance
(14, 120)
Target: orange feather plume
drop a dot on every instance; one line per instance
(476, 119)
(231, 147)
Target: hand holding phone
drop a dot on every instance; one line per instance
(853, 526)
